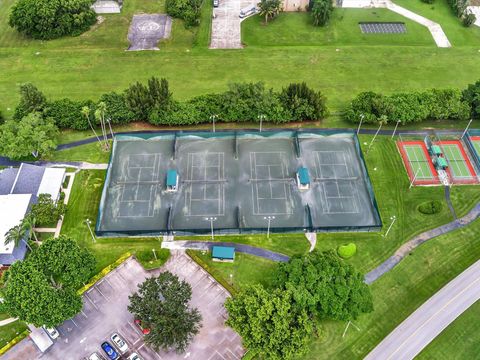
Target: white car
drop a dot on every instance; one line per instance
(96, 356)
(135, 356)
(119, 343)
(52, 332)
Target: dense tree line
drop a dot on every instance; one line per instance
(408, 107)
(51, 19)
(278, 323)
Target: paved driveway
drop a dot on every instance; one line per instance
(429, 320)
(105, 312)
(226, 24)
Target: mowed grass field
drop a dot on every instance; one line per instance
(338, 60)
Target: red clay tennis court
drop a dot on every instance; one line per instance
(460, 169)
(418, 163)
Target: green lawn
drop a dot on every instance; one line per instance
(459, 340)
(441, 13)
(8, 332)
(92, 153)
(296, 29)
(464, 198)
(83, 204)
(96, 62)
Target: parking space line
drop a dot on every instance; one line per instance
(86, 317)
(74, 323)
(106, 298)
(91, 302)
(231, 352)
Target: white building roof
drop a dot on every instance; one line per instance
(52, 182)
(13, 208)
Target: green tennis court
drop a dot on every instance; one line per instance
(418, 161)
(460, 167)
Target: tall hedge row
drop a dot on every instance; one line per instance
(435, 104)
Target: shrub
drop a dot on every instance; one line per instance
(430, 207)
(303, 103)
(469, 19)
(117, 110)
(471, 96)
(143, 100)
(46, 211)
(50, 19)
(67, 113)
(321, 12)
(428, 1)
(347, 251)
(2, 118)
(31, 100)
(188, 10)
(435, 104)
(148, 261)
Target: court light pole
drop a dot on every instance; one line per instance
(154, 254)
(269, 219)
(261, 118)
(466, 129)
(213, 118)
(393, 218)
(88, 222)
(395, 130)
(414, 178)
(360, 125)
(211, 219)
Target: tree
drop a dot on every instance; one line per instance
(138, 100)
(269, 8)
(268, 323)
(304, 103)
(321, 12)
(28, 223)
(86, 112)
(100, 116)
(16, 235)
(47, 19)
(188, 10)
(31, 100)
(161, 303)
(46, 211)
(471, 95)
(42, 289)
(325, 286)
(32, 135)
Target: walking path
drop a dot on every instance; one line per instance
(7, 321)
(449, 202)
(207, 245)
(430, 319)
(406, 248)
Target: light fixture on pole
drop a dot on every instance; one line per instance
(359, 125)
(393, 218)
(154, 254)
(395, 130)
(261, 118)
(88, 222)
(269, 219)
(211, 219)
(466, 129)
(213, 118)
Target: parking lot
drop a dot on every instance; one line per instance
(105, 312)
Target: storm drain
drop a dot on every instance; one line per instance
(383, 27)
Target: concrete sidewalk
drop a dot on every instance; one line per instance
(429, 320)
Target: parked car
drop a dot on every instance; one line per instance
(119, 343)
(110, 351)
(247, 11)
(135, 356)
(52, 332)
(96, 356)
(145, 331)
(216, 3)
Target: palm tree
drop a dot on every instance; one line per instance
(269, 8)
(100, 116)
(28, 223)
(86, 112)
(16, 235)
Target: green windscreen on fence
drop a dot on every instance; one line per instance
(236, 182)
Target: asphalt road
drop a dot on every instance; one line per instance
(428, 321)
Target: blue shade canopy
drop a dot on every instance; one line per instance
(303, 176)
(171, 178)
(223, 252)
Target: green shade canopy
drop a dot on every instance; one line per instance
(171, 178)
(303, 176)
(442, 162)
(223, 252)
(436, 149)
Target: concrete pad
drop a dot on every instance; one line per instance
(106, 7)
(146, 30)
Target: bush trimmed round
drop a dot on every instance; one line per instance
(430, 207)
(347, 251)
